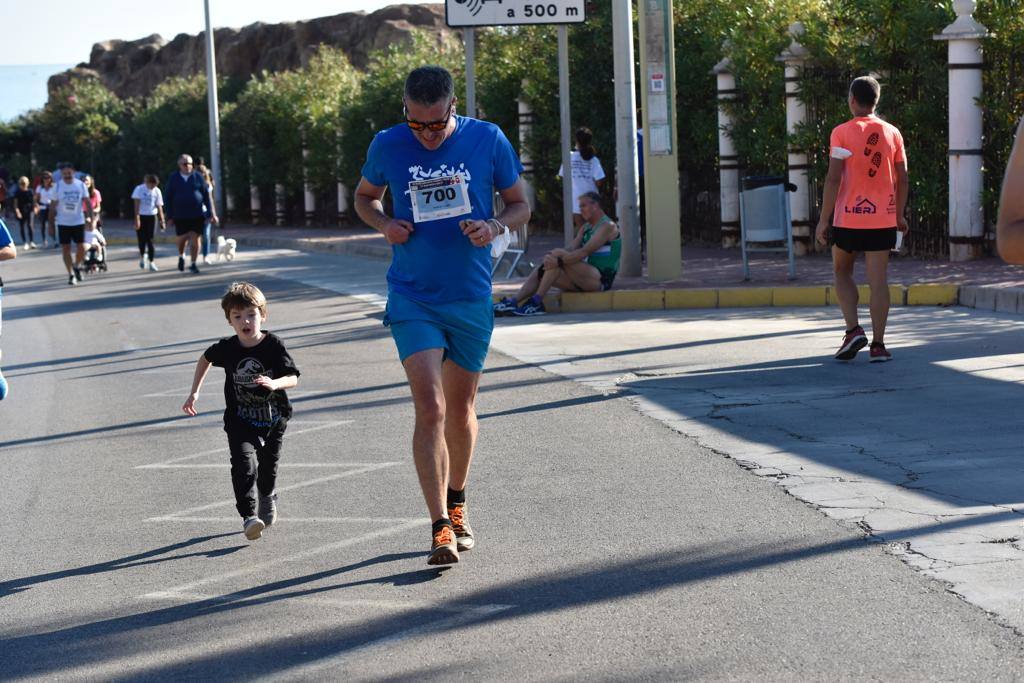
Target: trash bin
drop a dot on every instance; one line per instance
(765, 218)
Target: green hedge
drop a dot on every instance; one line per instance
(337, 109)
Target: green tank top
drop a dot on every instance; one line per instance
(605, 259)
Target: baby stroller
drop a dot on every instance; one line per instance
(95, 252)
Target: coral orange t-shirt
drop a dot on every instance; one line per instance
(870, 148)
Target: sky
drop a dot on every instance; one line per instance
(72, 27)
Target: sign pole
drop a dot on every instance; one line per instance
(469, 40)
(661, 161)
(568, 201)
(211, 94)
(628, 209)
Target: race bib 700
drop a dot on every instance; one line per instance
(436, 198)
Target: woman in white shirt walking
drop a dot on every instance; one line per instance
(149, 204)
(587, 173)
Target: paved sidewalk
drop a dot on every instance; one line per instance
(712, 278)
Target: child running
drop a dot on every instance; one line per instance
(257, 369)
(865, 197)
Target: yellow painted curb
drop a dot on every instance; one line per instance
(638, 300)
(583, 302)
(553, 303)
(932, 295)
(897, 295)
(799, 296)
(691, 298)
(745, 298)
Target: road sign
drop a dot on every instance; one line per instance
(464, 13)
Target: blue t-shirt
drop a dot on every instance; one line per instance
(439, 264)
(5, 235)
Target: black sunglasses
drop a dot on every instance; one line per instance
(433, 126)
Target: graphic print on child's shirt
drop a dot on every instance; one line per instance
(249, 404)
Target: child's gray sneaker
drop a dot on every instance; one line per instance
(253, 527)
(268, 509)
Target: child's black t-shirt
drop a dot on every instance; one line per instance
(248, 404)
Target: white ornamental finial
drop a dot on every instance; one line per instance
(964, 8)
(797, 30)
(965, 25)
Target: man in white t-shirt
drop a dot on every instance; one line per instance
(69, 209)
(149, 204)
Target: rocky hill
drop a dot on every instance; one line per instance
(134, 68)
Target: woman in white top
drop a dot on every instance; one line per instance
(587, 173)
(149, 204)
(44, 195)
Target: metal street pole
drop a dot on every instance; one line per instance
(211, 94)
(469, 40)
(568, 201)
(628, 208)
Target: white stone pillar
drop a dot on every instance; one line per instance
(309, 199)
(279, 204)
(728, 161)
(966, 211)
(254, 197)
(526, 121)
(342, 202)
(229, 200)
(794, 57)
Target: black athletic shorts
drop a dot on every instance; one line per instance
(852, 240)
(71, 233)
(183, 226)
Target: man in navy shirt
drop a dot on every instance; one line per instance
(187, 202)
(442, 170)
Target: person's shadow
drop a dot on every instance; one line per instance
(155, 556)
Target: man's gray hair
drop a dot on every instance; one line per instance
(429, 85)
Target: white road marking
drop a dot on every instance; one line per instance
(472, 610)
(302, 484)
(311, 520)
(318, 669)
(227, 465)
(225, 449)
(320, 550)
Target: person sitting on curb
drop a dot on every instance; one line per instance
(589, 265)
(1010, 226)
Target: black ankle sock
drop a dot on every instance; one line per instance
(455, 497)
(875, 344)
(443, 522)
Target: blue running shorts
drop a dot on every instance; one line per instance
(462, 328)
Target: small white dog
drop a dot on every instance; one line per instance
(225, 248)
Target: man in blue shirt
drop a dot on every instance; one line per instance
(7, 252)
(187, 202)
(442, 170)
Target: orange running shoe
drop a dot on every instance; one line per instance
(443, 549)
(463, 532)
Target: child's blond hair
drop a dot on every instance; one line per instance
(243, 295)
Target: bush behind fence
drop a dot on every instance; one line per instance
(332, 110)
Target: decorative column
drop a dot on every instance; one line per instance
(794, 57)
(254, 197)
(229, 200)
(526, 120)
(309, 199)
(342, 202)
(728, 161)
(279, 204)
(966, 212)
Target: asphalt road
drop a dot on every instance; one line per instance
(610, 546)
